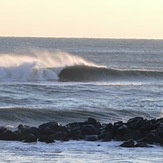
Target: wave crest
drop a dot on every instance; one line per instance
(94, 73)
(36, 67)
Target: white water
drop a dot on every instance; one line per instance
(78, 151)
(37, 67)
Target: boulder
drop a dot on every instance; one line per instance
(29, 138)
(106, 135)
(129, 143)
(60, 136)
(8, 135)
(46, 139)
(29, 130)
(49, 128)
(2, 129)
(91, 137)
(89, 130)
(135, 123)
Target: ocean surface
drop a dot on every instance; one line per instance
(68, 80)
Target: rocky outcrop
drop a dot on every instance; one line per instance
(136, 132)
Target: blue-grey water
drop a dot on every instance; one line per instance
(65, 80)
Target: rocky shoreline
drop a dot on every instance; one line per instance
(136, 132)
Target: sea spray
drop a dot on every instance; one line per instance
(38, 66)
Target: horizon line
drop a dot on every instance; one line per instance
(113, 38)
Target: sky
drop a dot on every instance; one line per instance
(82, 18)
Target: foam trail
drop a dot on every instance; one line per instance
(38, 66)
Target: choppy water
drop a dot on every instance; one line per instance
(65, 80)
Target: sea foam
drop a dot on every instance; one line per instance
(38, 66)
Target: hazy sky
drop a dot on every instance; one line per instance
(82, 18)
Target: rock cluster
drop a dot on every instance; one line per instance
(136, 132)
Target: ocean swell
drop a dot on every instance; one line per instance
(94, 73)
(35, 116)
(61, 66)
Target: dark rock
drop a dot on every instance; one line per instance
(2, 129)
(130, 143)
(22, 128)
(49, 128)
(135, 123)
(122, 133)
(8, 135)
(29, 130)
(91, 121)
(63, 129)
(154, 136)
(46, 139)
(60, 136)
(106, 135)
(142, 144)
(160, 120)
(148, 125)
(135, 135)
(151, 138)
(29, 138)
(137, 132)
(122, 129)
(74, 130)
(117, 124)
(108, 127)
(75, 125)
(91, 137)
(89, 130)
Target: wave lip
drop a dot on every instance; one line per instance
(85, 73)
(82, 73)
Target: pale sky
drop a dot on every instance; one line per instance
(82, 18)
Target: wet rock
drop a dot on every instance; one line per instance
(49, 128)
(109, 127)
(74, 125)
(154, 136)
(118, 124)
(29, 130)
(8, 135)
(89, 130)
(121, 130)
(159, 120)
(91, 137)
(142, 144)
(46, 139)
(148, 125)
(29, 138)
(130, 143)
(2, 129)
(135, 123)
(106, 135)
(91, 121)
(137, 132)
(22, 128)
(60, 136)
(133, 144)
(74, 130)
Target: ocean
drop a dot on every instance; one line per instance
(71, 79)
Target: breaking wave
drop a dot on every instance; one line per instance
(42, 66)
(61, 66)
(94, 73)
